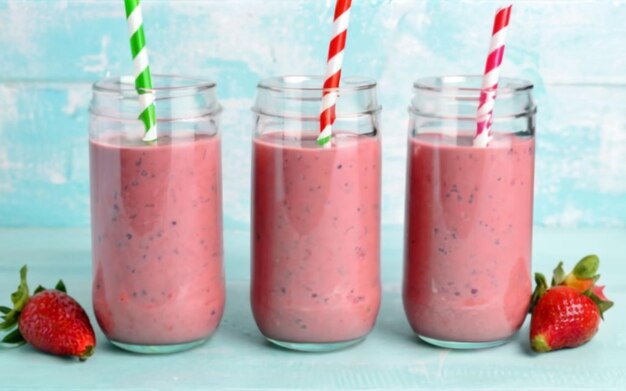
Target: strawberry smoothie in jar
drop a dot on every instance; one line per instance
(156, 216)
(315, 215)
(468, 214)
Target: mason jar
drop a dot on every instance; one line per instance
(469, 213)
(156, 215)
(315, 214)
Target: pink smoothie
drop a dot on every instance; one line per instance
(316, 237)
(157, 239)
(468, 237)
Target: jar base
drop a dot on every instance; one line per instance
(315, 347)
(159, 349)
(464, 345)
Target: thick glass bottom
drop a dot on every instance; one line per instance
(159, 349)
(464, 345)
(315, 347)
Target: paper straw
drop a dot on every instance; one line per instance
(333, 71)
(143, 78)
(484, 116)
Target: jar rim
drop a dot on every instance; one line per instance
(185, 98)
(125, 85)
(310, 83)
(471, 84)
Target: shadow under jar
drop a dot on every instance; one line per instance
(468, 213)
(156, 215)
(315, 215)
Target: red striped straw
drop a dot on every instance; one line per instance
(333, 71)
(484, 116)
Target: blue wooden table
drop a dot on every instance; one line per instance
(238, 358)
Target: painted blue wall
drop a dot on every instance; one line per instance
(50, 52)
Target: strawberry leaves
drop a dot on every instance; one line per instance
(39, 289)
(582, 278)
(19, 298)
(587, 267)
(60, 286)
(14, 338)
(540, 290)
(558, 275)
(597, 295)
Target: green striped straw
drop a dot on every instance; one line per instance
(143, 79)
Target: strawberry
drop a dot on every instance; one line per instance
(567, 314)
(563, 318)
(50, 321)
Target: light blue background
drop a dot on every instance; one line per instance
(573, 50)
(51, 51)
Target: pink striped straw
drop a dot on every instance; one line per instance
(484, 116)
(333, 71)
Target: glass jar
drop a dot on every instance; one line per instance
(315, 214)
(156, 215)
(469, 213)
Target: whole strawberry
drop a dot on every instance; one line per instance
(567, 314)
(50, 321)
(563, 318)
